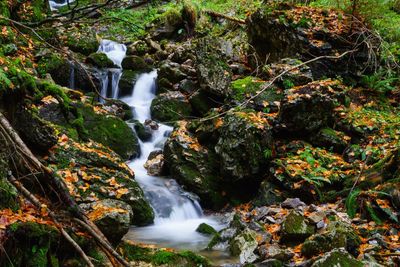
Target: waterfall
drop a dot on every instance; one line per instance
(177, 213)
(56, 4)
(109, 78)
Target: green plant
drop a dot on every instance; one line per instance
(351, 203)
(380, 81)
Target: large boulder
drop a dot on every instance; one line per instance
(83, 42)
(308, 108)
(170, 107)
(100, 60)
(127, 82)
(244, 245)
(337, 235)
(244, 146)
(102, 127)
(194, 166)
(295, 228)
(308, 32)
(113, 217)
(93, 172)
(337, 257)
(135, 63)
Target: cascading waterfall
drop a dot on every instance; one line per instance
(110, 77)
(56, 4)
(177, 213)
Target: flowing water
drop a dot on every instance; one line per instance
(177, 213)
(109, 78)
(56, 4)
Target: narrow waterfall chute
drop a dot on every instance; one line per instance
(56, 4)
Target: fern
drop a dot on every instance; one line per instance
(351, 203)
(372, 213)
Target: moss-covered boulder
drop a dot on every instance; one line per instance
(127, 82)
(194, 166)
(135, 63)
(337, 257)
(292, 76)
(144, 132)
(213, 73)
(295, 228)
(331, 139)
(119, 108)
(100, 60)
(170, 107)
(170, 71)
(244, 147)
(113, 217)
(84, 42)
(102, 127)
(57, 66)
(206, 229)
(31, 244)
(337, 235)
(308, 108)
(93, 172)
(36, 132)
(290, 31)
(145, 256)
(244, 245)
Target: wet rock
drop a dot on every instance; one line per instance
(152, 124)
(58, 67)
(154, 154)
(170, 107)
(292, 203)
(35, 131)
(100, 60)
(144, 132)
(155, 166)
(206, 229)
(194, 166)
(295, 228)
(244, 139)
(113, 217)
(337, 235)
(135, 63)
(337, 257)
(127, 82)
(308, 108)
(119, 109)
(283, 33)
(243, 245)
(139, 48)
(188, 86)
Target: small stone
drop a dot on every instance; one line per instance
(295, 228)
(292, 203)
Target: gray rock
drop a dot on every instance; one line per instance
(337, 257)
(295, 228)
(243, 245)
(113, 217)
(292, 203)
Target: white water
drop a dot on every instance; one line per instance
(56, 4)
(177, 213)
(110, 77)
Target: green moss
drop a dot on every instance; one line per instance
(100, 60)
(163, 257)
(206, 229)
(244, 87)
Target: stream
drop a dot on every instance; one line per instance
(177, 213)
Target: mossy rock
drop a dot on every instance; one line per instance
(201, 103)
(31, 244)
(295, 228)
(206, 229)
(243, 245)
(111, 132)
(170, 107)
(100, 60)
(127, 82)
(161, 257)
(84, 42)
(135, 63)
(144, 132)
(337, 257)
(338, 235)
(58, 67)
(330, 139)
